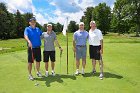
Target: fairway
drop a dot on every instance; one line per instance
(121, 68)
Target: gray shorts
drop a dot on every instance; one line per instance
(81, 52)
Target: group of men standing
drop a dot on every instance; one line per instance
(33, 36)
(95, 38)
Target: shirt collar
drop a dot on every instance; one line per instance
(92, 30)
(81, 31)
(32, 28)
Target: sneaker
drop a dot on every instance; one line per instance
(83, 72)
(101, 76)
(39, 74)
(77, 72)
(53, 73)
(47, 74)
(31, 77)
(94, 71)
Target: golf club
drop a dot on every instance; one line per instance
(36, 83)
(60, 59)
(73, 61)
(101, 65)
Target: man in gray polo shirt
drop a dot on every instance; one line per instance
(79, 45)
(49, 48)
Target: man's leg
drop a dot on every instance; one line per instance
(38, 66)
(30, 60)
(77, 63)
(52, 57)
(94, 64)
(37, 55)
(38, 69)
(77, 66)
(46, 55)
(52, 65)
(84, 62)
(101, 66)
(30, 68)
(83, 65)
(46, 66)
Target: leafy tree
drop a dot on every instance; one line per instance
(72, 27)
(102, 16)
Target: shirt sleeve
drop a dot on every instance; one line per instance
(74, 36)
(40, 32)
(26, 32)
(87, 35)
(42, 36)
(55, 37)
(100, 35)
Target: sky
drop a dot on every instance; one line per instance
(54, 10)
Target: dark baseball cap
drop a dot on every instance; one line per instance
(32, 19)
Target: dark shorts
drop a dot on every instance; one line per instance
(94, 52)
(47, 55)
(36, 55)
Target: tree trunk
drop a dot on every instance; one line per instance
(137, 30)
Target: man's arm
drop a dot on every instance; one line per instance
(74, 46)
(57, 43)
(27, 39)
(101, 42)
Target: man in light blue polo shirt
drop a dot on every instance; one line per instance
(32, 35)
(79, 45)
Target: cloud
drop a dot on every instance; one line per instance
(74, 8)
(56, 11)
(65, 6)
(24, 6)
(21, 5)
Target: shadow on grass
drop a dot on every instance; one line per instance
(57, 78)
(106, 75)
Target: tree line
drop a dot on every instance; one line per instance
(13, 25)
(123, 18)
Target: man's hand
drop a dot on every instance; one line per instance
(74, 49)
(101, 51)
(61, 49)
(29, 44)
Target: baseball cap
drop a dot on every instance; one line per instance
(81, 23)
(32, 19)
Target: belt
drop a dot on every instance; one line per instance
(81, 45)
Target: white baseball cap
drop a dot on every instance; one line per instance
(49, 25)
(92, 22)
(81, 23)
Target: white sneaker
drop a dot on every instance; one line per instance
(101, 76)
(47, 74)
(83, 72)
(31, 77)
(77, 72)
(39, 74)
(53, 73)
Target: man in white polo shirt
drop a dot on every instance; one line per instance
(96, 47)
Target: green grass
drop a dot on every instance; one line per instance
(121, 67)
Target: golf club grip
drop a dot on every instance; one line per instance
(61, 53)
(32, 55)
(74, 54)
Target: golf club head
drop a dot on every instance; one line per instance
(36, 84)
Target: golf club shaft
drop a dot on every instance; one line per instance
(73, 62)
(101, 63)
(34, 65)
(60, 60)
